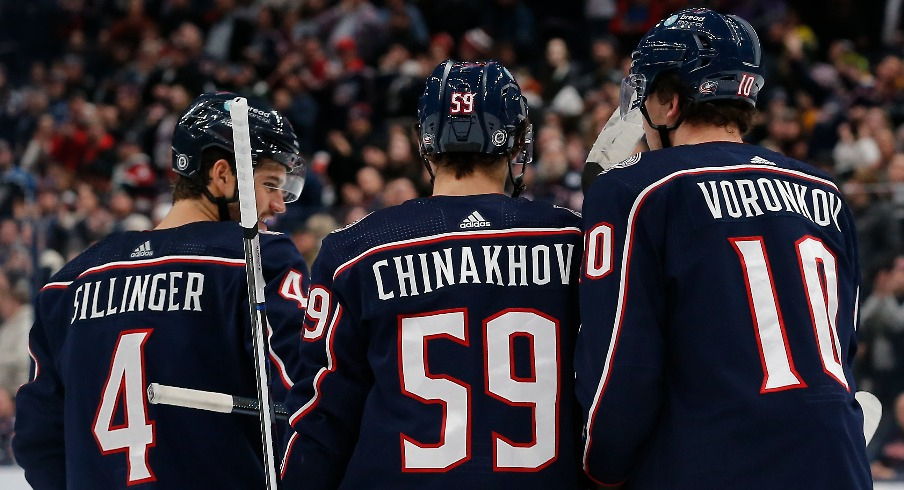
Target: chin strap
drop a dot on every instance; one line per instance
(222, 203)
(429, 169)
(517, 182)
(662, 129)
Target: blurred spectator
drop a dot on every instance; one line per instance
(882, 331)
(16, 317)
(633, 18)
(398, 191)
(405, 24)
(877, 229)
(309, 237)
(346, 149)
(357, 21)
(889, 464)
(123, 214)
(230, 32)
(512, 22)
(7, 421)
(599, 14)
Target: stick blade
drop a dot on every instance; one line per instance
(872, 413)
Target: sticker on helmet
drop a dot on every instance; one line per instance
(499, 137)
(746, 84)
(428, 140)
(709, 87)
(181, 162)
(462, 103)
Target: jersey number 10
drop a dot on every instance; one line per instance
(822, 298)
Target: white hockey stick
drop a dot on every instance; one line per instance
(159, 394)
(872, 413)
(241, 135)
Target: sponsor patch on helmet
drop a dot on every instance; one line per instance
(709, 87)
(181, 162)
(499, 137)
(428, 140)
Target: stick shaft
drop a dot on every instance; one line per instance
(238, 109)
(175, 396)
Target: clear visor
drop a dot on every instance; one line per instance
(295, 175)
(633, 89)
(526, 155)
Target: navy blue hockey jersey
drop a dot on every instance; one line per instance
(438, 350)
(718, 303)
(165, 306)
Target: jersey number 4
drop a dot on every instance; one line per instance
(819, 271)
(539, 391)
(125, 382)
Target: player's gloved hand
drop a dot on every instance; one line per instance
(617, 141)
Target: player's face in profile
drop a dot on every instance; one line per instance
(269, 179)
(658, 113)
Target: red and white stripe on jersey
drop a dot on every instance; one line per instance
(170, 259)
(626, 256)
(456, 235)
(330, 367)
(318, 378)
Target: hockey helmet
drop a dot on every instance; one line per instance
(717, 57)
(207, 123)
(472, 107)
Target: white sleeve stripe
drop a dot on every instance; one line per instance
(282, 468)
(280, 365)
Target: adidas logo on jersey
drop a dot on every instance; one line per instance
(474, 220)
(143, 250)
(761, 160)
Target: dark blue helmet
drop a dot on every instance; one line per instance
(207, 123)
(472, 107)
(717, 57)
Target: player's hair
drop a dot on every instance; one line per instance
(193, 188)
(719, 112)
(465, 164)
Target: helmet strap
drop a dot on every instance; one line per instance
(429, 169)
(517, 182)
(662, 129)
(222, 202)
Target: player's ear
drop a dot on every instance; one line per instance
(222, 179)
(674, 110)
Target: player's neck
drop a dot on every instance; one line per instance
(185, 211)
(688, 134)
(446, 184)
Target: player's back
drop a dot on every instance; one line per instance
(757, 311)
(151, 307)
(468, 308)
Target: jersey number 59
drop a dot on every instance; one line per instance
(539, 391)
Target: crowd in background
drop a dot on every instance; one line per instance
(90, 91)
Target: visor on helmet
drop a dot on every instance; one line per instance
(292, 186)
(633, 93)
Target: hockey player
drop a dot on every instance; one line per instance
(439, 335)
(168, 306)
(719, 288)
